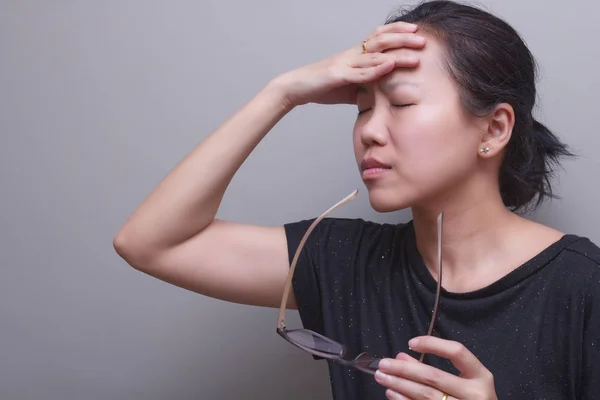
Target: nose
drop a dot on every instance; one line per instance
(373, 130)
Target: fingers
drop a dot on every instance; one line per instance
(370, 60)
(406, 357)
(406, 378)
(461, 357)
(390, 394)
(407, 368)
(369, 67)
(399, 60)
(398, 27)
(368, 74)
(390, 41)
(401, 388)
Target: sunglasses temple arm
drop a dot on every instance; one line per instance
(288, 282)
(439, 283)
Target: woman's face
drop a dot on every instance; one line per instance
(412, 123)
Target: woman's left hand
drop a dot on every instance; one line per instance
(406, 378)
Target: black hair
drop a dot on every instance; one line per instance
(492, 65)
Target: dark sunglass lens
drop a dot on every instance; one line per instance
(316, 342)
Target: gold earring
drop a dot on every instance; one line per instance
(484, 150)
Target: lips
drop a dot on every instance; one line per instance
(372, 163)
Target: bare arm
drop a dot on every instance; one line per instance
(173, 235)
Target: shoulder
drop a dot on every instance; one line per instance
(584, 250)
(586, 259)
(581, 258)
(345, 231)
(581, 254)
(336, 238)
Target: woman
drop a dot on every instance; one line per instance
(445, 94)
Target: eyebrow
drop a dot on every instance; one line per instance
(389, 86)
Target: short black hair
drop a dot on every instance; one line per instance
(491, 64)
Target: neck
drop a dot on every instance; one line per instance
(474, 230)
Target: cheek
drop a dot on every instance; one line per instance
(419, 136)
(357, 142)
(435, 143)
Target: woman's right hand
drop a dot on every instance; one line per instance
(334, 80)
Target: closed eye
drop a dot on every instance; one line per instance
(360, 112)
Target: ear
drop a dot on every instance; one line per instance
(498, 129)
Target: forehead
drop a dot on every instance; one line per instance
(430, 70)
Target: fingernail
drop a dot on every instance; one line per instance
(412, 343)
(381, 375)
(390, 394)
(385, 364)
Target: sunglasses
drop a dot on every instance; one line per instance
(323, 347)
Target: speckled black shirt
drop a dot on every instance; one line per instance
(537, 329)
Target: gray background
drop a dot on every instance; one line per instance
(99, 100)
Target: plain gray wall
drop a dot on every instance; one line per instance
(99, 100)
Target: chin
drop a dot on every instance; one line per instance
(385, 201)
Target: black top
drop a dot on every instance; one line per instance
(537, 329)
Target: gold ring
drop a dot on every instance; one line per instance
(364, 46)
(445, 397)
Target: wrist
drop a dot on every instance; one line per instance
(278, 89)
